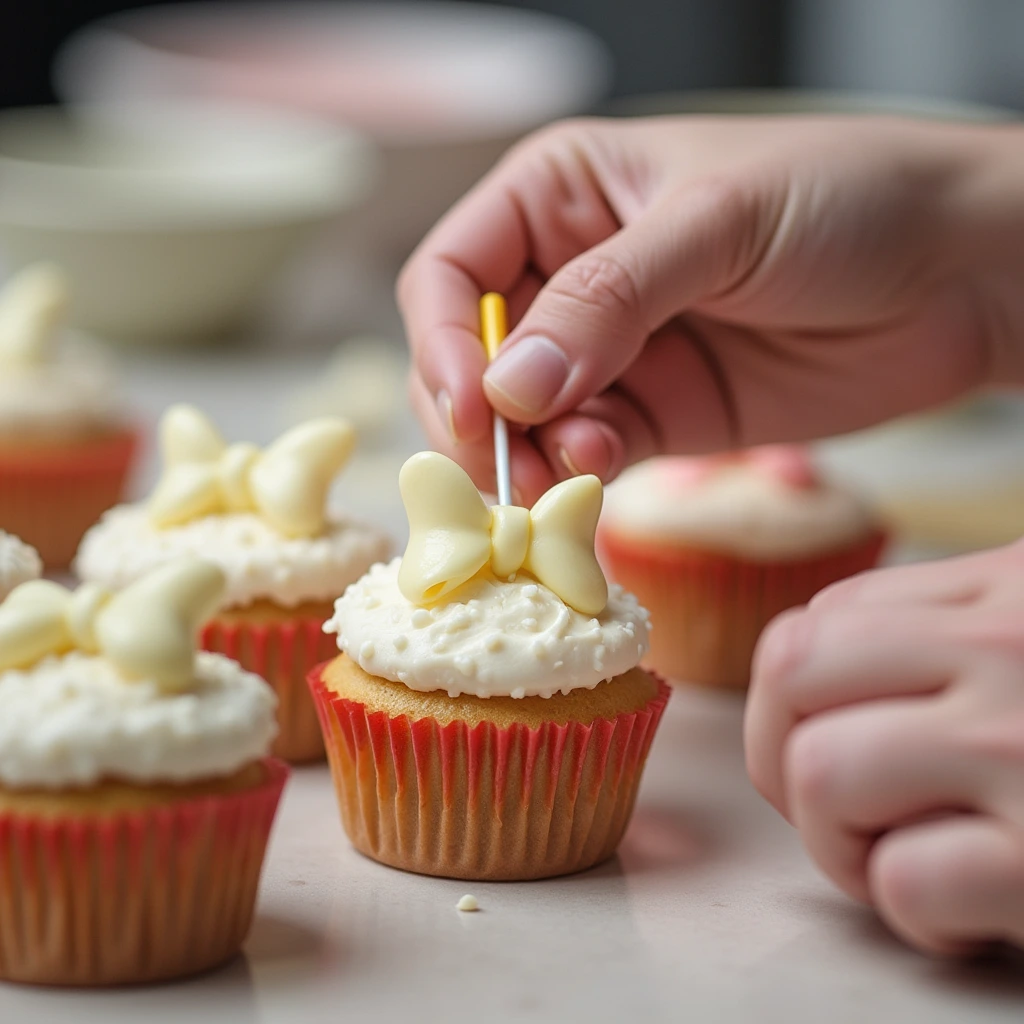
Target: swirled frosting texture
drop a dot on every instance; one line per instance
(492, 638)
(74, 721)
(257, 561)
(19, 563)
(736, 509)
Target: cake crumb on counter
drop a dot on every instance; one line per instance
(467, 904)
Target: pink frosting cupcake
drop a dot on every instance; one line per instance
(717, 547)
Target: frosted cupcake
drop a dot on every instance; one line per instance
(262, 517)
(717, 547)
(486, 718)
(65, 445)
(19, 563)
(135, 795)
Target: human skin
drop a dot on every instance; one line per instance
(688, 285)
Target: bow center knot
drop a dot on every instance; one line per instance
(510, 539)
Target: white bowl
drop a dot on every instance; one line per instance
(171, 220)
(443, 88)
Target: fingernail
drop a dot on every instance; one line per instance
(566, 459)
(530, 374)
(447, 411)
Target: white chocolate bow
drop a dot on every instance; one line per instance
(148, 630)
(286, 485)
(453, 535)
(33, 305)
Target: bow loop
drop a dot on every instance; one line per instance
(287, 485)
(33, 305)
(453, 536)
(148, 631)
(449, 528)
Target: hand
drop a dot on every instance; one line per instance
(886, 722)
(692, 284)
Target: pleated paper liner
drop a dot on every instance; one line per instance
(283, 653)
(50, 495)
(708, 609)
(484, 802)
(135, 896)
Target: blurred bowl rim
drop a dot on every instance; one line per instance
(343, 158)
(796, 101)
(114, 33)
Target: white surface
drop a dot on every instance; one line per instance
(710, 913)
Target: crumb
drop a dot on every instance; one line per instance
(467, 904)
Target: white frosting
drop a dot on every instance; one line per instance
(494, 638)
(740, 510)
(257, 560)
(74, 391)
(74, 721)
(19, 563)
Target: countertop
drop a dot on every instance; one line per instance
(710, 912)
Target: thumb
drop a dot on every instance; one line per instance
(593, 317)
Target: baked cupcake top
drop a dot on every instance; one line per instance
(261, 516)
(764, 504)
(19, 563)
(97, 686)
(491, 601)
(51, 380)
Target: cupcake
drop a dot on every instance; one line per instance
(65, 448)
(262, 518)
(486, 718)
(136, 797)
(19, 563)
(717, 547)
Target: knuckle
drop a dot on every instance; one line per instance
(600, 282)
(778, 650)
(814, 765)
(835, 595)
(998, 632)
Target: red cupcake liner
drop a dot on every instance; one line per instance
(708, 610)
(283, 653)
(484, 803)
(50, 495)
(114, 898)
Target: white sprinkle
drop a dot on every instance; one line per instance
(530, 624)
(439, 647)
(531, 590)
(518, 693)
(401, 642)
(367, 651)
(558, 664)
(421, 618)
(467, 904)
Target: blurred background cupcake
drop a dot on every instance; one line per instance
(66, 445)
(717, 547)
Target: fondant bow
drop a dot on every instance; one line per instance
(33, 305)
(453, 535)
(148, 630)
(286, 485)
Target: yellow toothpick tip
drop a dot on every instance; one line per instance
(493, 323)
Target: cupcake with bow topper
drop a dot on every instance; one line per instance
(486, 718)
(718, 546)
(263, 518)
(136, 797)
(65, 444)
